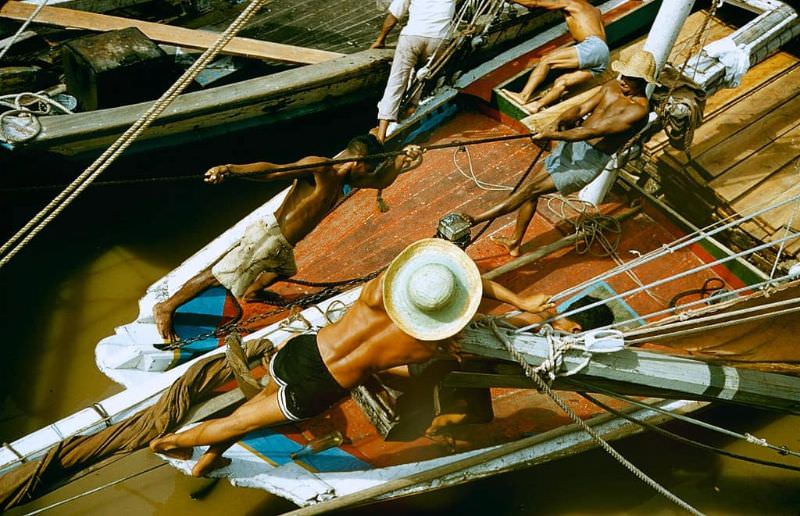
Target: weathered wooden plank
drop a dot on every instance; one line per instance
(180, 36)
(740, 114)
(697, 379)
(770, 119)
(755, 171)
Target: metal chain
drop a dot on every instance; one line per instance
(242, 326)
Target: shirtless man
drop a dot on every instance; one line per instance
(616, 113)
(407, 315)
(266, 250)
(588, 57)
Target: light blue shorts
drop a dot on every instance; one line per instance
(592, 55)
(573, 165)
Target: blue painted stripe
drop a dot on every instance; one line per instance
(276, 449)
(202, 314)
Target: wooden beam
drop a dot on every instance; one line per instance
(664, 373)
(179, 36)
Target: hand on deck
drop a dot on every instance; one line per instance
(216, 175)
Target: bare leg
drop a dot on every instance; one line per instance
(561, 58)
(560, 87)
(259, 412)
(263, 280)
(163, 311)
(383, 126)
(524, 217)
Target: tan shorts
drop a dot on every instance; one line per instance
(262, 248)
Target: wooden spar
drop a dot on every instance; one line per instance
(461, 466)
(543, 251)
(180, 36)
(645, 372)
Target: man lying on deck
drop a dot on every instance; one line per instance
(588, 57)
(407, 315)
(612, 116)
(265, 252)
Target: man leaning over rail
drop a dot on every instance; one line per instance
(265, 252)
(589, 134)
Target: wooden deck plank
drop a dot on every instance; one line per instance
(781, 185)
(760, 163)
(771, 123)
(766, 96)
(245, 47)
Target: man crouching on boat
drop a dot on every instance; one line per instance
(589, 134)
(265, 252)
(407, 315)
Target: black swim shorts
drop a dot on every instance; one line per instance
(306, 387)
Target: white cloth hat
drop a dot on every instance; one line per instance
(432, 289)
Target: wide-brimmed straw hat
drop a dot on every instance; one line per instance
(432, 289)
(640, 64)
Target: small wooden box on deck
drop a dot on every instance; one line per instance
(115, 68)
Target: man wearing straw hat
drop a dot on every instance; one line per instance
(589, 134)
(407, 315)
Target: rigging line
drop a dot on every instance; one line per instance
(95, 490)
(715, 317)
(483, 185)
(676, 245)
(734, 300)
(47, 214)
(685, 440)
(118, 182)
(786, 230)
(544, 387)
(781, 450)
(660, 282)
(22, 28)
(724, 324)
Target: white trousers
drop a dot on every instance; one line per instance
(410, 52)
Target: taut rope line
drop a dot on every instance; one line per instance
(49, 212)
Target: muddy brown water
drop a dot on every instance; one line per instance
(85, 273)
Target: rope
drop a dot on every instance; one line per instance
(682, 439)
(22, 28)
(704, 292)
(516, 187)
(678, 244)
(544, 387)
(787, 228)
(734, 298)
(20, 109)
(781, 450)
(483, 185)
(661, 281)
(47, 214)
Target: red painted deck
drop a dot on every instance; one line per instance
(357, 239)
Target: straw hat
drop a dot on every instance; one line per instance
(432, 289)
(640, 64)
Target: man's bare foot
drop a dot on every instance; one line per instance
(163, 317)
(164, 446)
(533, 107)
(208, 463)
(509, 243)
(516, 97)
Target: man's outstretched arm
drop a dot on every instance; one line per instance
(534, 303)
(263, 171)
